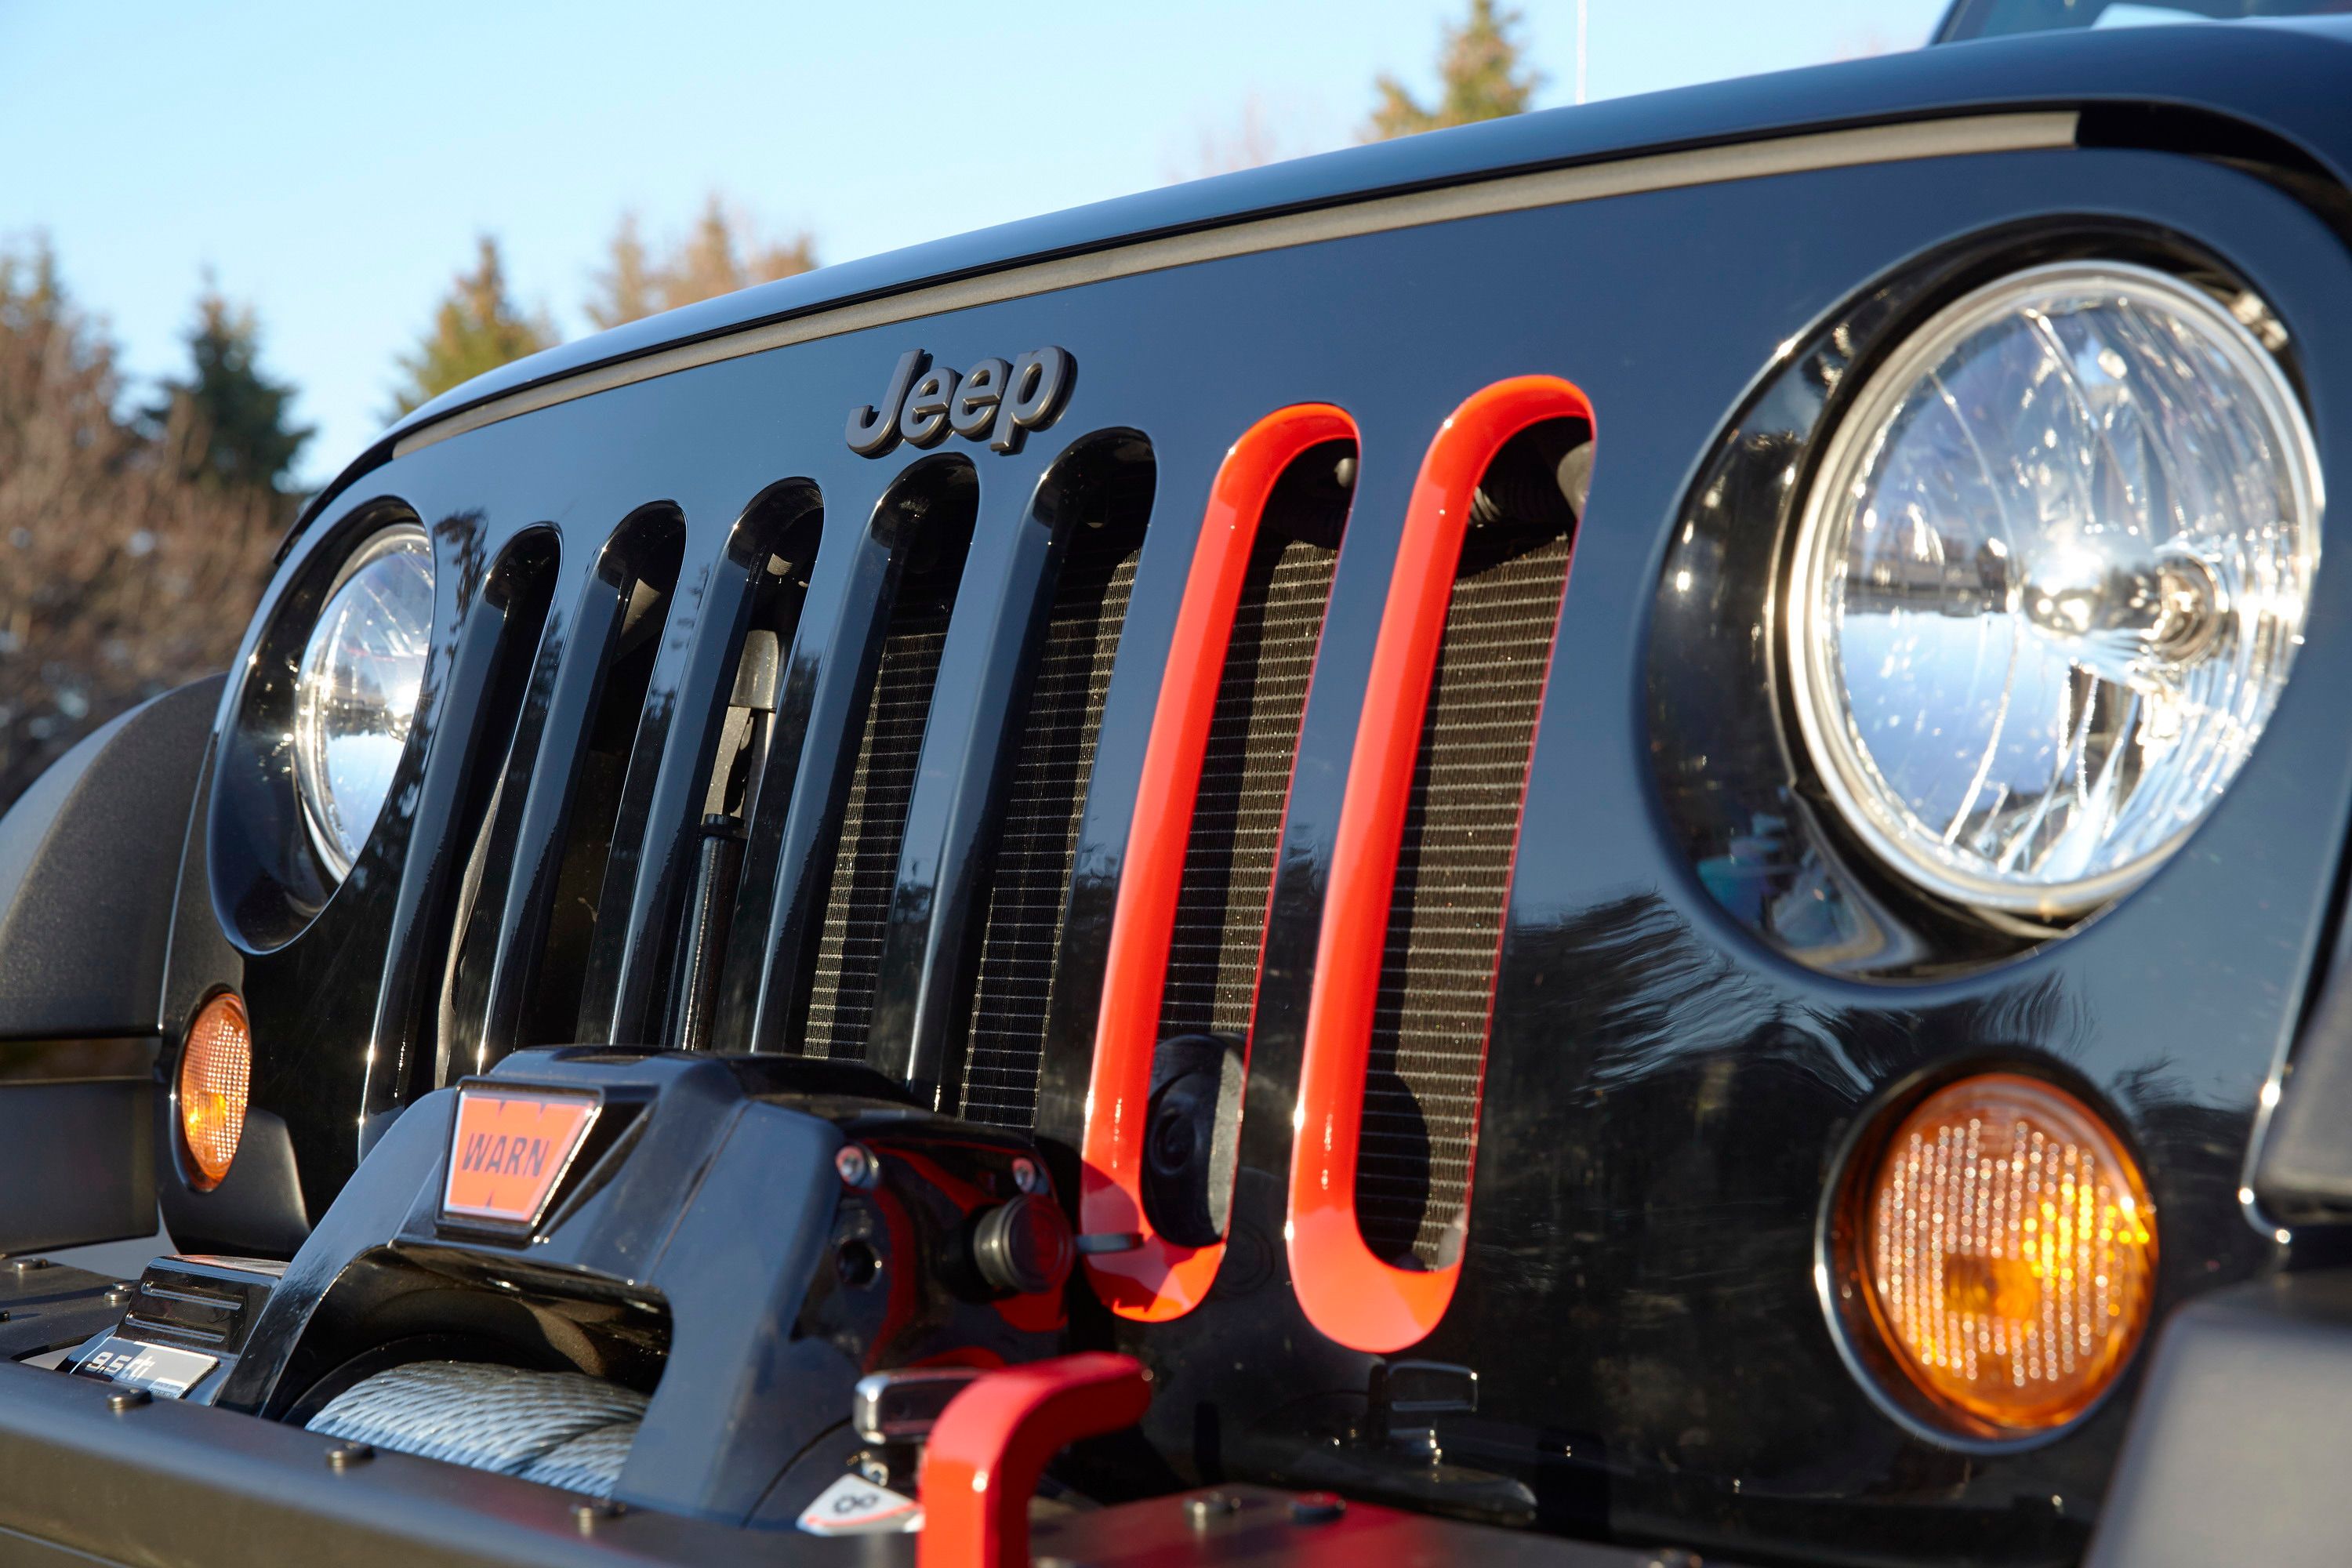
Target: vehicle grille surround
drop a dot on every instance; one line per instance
(1455, 862)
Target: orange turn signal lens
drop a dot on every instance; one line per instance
(216, 1069)
(2004, 1248)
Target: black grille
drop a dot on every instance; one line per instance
(1038, 837)
(1229, 856)
(1452, 875)
(866, 864)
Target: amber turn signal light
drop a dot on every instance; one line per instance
(215, 1069)
(1995, 1255)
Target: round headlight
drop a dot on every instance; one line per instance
(357, 690)
(2049, 582)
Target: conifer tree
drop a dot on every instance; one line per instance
(1481, 75)
(719, 256)
(238, 416)
(477, 328)
(626, 289)
(124, 573)
(56, 369)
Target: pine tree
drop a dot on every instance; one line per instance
(56, 370)
(627, 287)
(1481, 75)
(478, 328)
(719, 256)
(122, 574)
(236, 415)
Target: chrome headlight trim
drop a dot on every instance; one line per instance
(1841, 758)
(328, 825)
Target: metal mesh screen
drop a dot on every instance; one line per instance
(1038, 838)
(1454, 871)
(866, 861)
(1229, 858)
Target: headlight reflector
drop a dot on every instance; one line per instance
(2049, 582)
(356, 693)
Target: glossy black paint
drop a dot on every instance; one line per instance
(2301, 1171)
(1763, 838)
(1008, 583)
(2282, 79)
(628, 972)
(984, 676)
(452, 800)
(994, 402)
(803, 796)
(1664, 1092)
(1967, 19)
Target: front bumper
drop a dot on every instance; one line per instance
(165, 1484)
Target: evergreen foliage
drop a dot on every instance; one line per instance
(237, 417)
(125, 569)
(719, 256)
(477, 328)
(1481, 75)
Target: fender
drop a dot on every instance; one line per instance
(86, 902)
(86, 880)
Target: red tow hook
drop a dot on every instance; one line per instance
(990, 1445)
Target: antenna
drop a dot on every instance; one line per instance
(1579, 50)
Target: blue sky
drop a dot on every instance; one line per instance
(332, 163)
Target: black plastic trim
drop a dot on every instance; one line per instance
(86, 907)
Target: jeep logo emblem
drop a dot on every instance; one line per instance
(993, 402)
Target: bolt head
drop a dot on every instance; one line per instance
(1317, 1508)
(587, 1513)
(124, 1399)
(342, 1455)
(1027, 1176)
(858, 1166)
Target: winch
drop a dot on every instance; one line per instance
(656, 1278)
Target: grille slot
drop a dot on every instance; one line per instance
(553, 999)
(1453, 867)
(758, 592)
(1229, 856)
(848, 958)
(1037, 839)
(521, 590)
(1217, 933)
(537, 874)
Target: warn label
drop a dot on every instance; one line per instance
(509, 1149)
